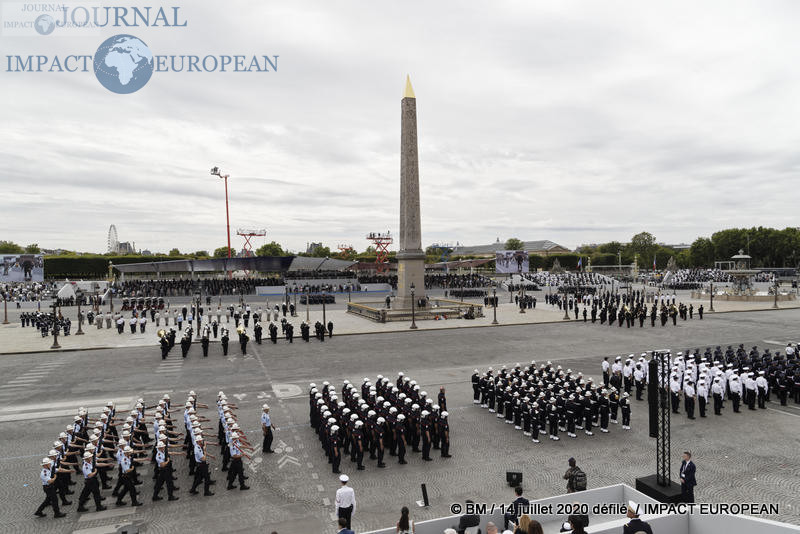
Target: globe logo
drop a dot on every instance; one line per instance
(123, 64)
(44, 24)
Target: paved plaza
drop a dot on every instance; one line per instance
(744, 457)
(28, 340)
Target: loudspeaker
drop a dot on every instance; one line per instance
(652, 396)
(514, 478)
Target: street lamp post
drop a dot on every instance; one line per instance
(5, 309)
(711, 294)
(566, 310)
(521, 296)
(413, 307)
(777, 285)
(348, 293)
(307, 299)
(324, 295)
(216, 172)
(55, 327)
(294, 314)
(80, 317)
(494, 301)
(198, 301)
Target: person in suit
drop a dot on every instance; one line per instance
(467, 520)
(518, 507)
(688, 481)
(342, 522)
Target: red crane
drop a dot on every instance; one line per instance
(382, 240)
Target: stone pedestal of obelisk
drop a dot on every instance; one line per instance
(410, 257)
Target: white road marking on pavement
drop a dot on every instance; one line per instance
(286, 459)
(326, 501)
(283, 391)
(771, 342)
(785, 413)
(100, 402)
(116, 527)
(320, 488)
(106, 514)
(240, 396)
(24, 412)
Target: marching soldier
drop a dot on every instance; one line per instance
(90, 484)
(201, 473)
(273, 333)
(164, 342)
(224, 341)
(205, 341)
(127, 475)
(237, 448)
(48, 479)
(186, 342)
(243, 339)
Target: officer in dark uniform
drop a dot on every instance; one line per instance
(186, 342)
(425, 431)
(273, 333)
(224, 341)
(304, 331)
(442, 401)
(380, 430)
(243, 339)
(400, 438)
(164, 342)
(290, 332)
(330, 329)
(444, 435)
(333, 446)
(257, 329)
(204, 341)
(214, 328)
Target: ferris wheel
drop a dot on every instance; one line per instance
(113, 241)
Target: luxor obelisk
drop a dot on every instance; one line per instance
(410, 257)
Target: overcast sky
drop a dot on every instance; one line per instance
(577, 122)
